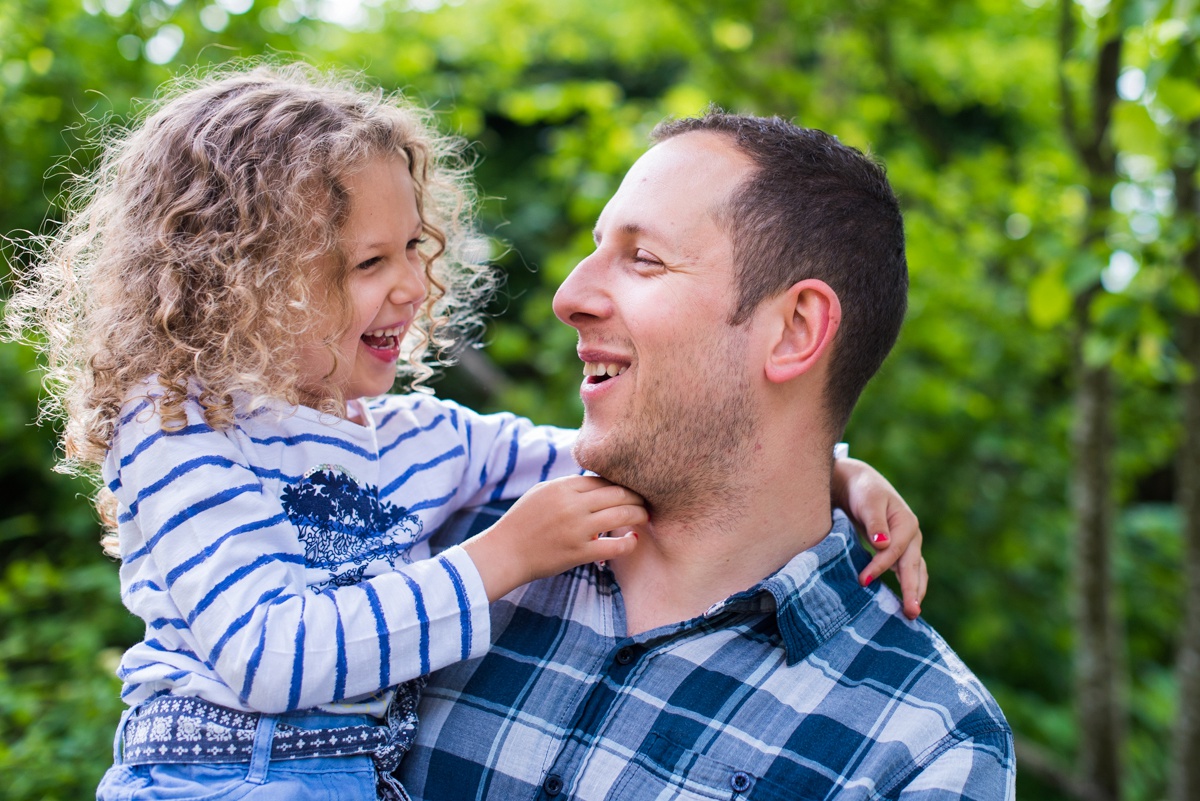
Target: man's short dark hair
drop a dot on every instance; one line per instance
(815, 208)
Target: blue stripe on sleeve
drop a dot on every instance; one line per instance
(278, 475)
(513, 448)
(252, 665)
(387, 418)
(241, 622)
(550, 459)
(256, 657)
(142, 404)
(175, 674)
(200, 428)
(464, 608)
(200, 506)
(381, 630)
(412, 432)
(322, 439)
(298, 662)
(422, 619)
(140, 585)
(188, 564)
(457, 450)
(164, 622)
(339, 679)
(158, 646)
(237, 576)
(431, 503)
(175, 473)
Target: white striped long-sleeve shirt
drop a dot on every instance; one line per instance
(284, 563)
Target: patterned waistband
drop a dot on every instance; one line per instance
(191, 730)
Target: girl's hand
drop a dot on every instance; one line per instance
(553, 527)
(890, 526)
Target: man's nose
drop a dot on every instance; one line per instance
(583, 295)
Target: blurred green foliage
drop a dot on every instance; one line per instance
(969, 417)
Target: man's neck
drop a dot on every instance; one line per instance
(682, 567)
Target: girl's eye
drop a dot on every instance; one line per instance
(369, 263)
(413, 243)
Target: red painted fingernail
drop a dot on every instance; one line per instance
(867, 579)
(879, 537)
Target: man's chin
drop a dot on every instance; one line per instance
(616, 467)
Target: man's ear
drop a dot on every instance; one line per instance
(806, 319)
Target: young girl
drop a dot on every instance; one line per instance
(241, 273)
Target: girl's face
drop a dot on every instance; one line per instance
(387, 282)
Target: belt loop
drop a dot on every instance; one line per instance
(260, 759)
(120, 736)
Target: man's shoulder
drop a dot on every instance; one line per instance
(887, 661)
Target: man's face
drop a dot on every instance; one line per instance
(668, 409)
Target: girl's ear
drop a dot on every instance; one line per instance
(807, 317)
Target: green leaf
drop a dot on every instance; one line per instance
(1181, 97)
(1049, 299)
(1134, 130)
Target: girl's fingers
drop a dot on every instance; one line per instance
(615, 517)
(923, 585)
(910, 587)
(881, 562)
(906, 559)
(606, 548)
(610, 495)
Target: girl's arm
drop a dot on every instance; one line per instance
(890, 525)
(554, 527)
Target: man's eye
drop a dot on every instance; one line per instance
(645, 257)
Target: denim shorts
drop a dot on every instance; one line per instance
(334, 778)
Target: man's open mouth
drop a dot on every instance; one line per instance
(599, 372)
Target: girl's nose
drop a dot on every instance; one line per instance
(412, 283)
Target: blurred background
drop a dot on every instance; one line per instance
(1041, 412)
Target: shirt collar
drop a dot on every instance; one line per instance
(817, 592)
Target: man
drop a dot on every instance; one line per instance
(749, 277)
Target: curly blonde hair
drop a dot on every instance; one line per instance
(199, 250)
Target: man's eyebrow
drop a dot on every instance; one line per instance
(628, 229)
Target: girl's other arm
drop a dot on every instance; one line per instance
(890, 525)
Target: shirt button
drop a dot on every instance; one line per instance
(740, 781)
(624, 656)
(553, 785)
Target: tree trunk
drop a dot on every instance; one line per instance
(1185, 778)
(1097, 665)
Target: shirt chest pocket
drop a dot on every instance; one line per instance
(666, 771)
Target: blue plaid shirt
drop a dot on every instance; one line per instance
(804, 686)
